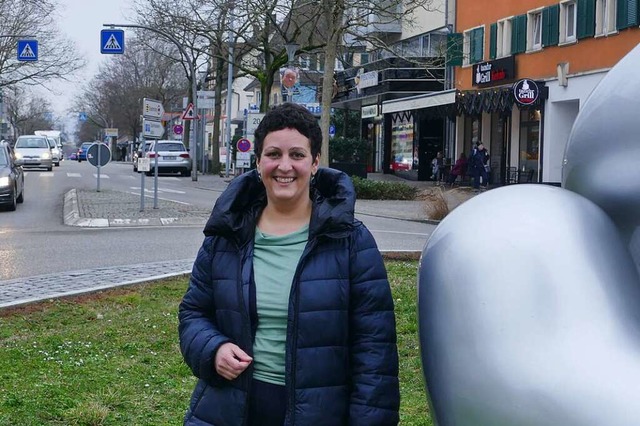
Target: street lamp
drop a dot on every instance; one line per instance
(194, 91)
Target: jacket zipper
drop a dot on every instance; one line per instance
(291, 380)
(247, 322)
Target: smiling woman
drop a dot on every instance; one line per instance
(283, 258)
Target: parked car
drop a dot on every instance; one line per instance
(139, 153)
(11, 179)
(82, 151)
(173, 157)
(33, 151)
(56, 152)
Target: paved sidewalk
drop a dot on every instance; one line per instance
(88, 208)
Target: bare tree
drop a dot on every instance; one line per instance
(113, 98)
(57, 57)
(27, 112)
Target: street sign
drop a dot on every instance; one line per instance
(92, 154)
(188, 113)
(152, 129)
(27, 50)
(178, 129)
(82, 116)
(244, 145)
(152, 109)
(252, 122)
(332, 130)
(112, 41)
(144, 164)
(111, 132)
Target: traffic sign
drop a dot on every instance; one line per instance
(178, 129)
(112, 41)
(244, 145)
(152, 128)
(111, 132)
(82, 116)
(104, 153)
(188, 113)
(27, 50)
(152, 109)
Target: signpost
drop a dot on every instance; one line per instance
(98, 155)
(28, 50)
(112, 41)
(178, 129)
(152, 129)
(152, 111)
(111, 132)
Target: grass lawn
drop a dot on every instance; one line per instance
(112, 358)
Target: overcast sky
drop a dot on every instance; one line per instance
(81, 21)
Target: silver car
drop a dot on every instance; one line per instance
(56, 152)
(173, 157)
(33, 151)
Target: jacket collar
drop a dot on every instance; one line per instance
(236, 211)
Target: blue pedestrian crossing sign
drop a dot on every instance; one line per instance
(112, 41)
(27, 50)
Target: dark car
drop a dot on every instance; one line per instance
(11, 179)
(82, 151)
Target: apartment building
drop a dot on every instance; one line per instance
(522, 71)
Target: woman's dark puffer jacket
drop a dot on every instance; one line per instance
(341, 357)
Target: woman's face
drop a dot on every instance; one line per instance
(286, 166)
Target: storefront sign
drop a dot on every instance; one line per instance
(494, 71)
(369, 111)
(366, 79)
(525, 91)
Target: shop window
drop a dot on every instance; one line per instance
(605, 17)
(534, 30)
(568, 17)
(473, 51)
(529, 140)
(402, 149)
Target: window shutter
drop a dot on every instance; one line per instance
(519, 34)
(626, 14)
(454, 49)
(477, 51)
(493, 40)
(551, 25)
(586, 19)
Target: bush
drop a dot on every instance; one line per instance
(380, 190)
(349, 150)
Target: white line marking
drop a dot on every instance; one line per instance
(47, 174)
(95, 175)
(74, 175)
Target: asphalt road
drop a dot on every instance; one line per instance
(35, 241)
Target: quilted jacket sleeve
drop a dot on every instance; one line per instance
(375, 393)
(199, 335)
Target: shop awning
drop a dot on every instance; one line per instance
(418, 102)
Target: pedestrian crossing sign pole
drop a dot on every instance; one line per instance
(112, 41)
(27, 50)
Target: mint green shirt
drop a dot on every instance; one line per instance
(275, 259)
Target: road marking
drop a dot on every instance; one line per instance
(47, 174)
(172, 191)
(160, 198)
(74, 175)
(95, 175)
(168, 178)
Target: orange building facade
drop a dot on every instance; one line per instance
(557, 52)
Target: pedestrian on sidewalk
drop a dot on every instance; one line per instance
(478, 162)
(288, 318)
(458, 169)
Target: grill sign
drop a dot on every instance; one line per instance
(526, 92)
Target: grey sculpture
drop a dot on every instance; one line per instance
(529, 295)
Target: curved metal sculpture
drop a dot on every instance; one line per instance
(529, 295)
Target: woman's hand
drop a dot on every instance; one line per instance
(231, 361)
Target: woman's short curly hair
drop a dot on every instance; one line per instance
(289, 116)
